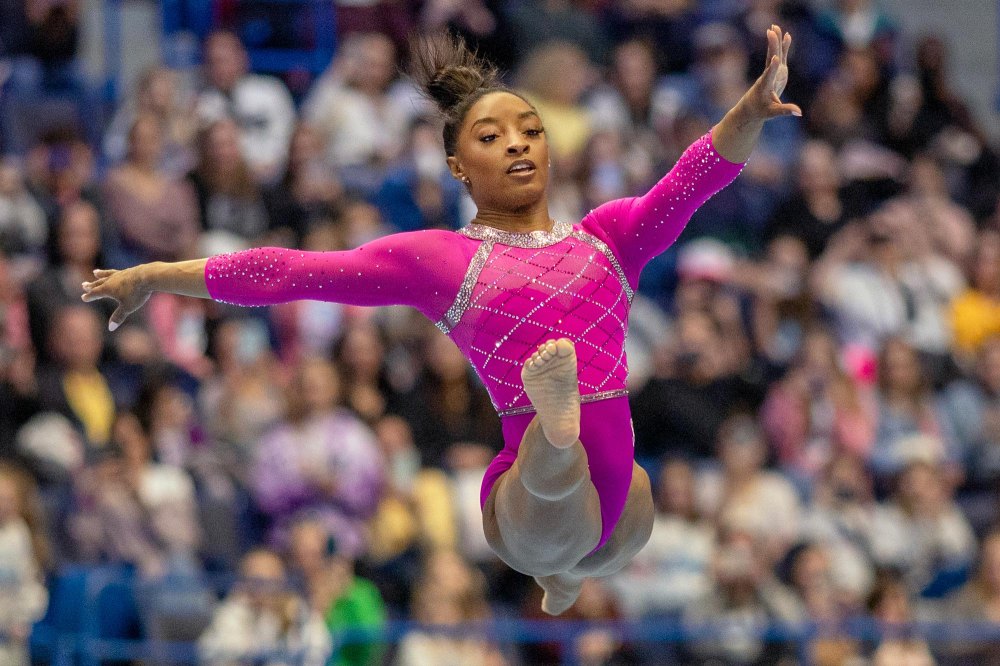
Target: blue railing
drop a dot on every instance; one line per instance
(79, 634)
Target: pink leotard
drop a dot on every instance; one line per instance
(499, 295)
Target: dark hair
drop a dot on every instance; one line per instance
(454, 78)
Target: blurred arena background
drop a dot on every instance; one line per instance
(815, 364)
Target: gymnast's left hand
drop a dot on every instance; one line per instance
(125, 287)
(763, 100)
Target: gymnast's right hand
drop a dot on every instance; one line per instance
(125, 287)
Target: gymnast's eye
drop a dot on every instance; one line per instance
(535, 132)
(488, 138)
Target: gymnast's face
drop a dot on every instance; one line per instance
(503, 153)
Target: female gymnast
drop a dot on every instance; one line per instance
(539, 307)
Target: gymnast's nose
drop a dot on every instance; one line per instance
(517, 147)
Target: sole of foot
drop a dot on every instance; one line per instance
(550, 380)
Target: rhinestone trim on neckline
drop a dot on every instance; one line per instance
(530, 239)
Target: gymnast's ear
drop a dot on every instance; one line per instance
(456, 169)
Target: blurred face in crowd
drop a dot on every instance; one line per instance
(373, 63)
(900, 369)
(498, 131)
(986, 269)
(78, 234)
(158, 90)
(308, 548)
(989, 364)
(363, 351)
(989, 565)
(820, 354)
(223, 145)
(742, 449)
(818, 167)
(698, 342)
(445, 359)
(921, 489)
(264, 576)
(675, 492)
(10, 498)
(635, 71)
(225, 60)
(317, 386)
(77, 338)
(129, 435)
(145, 142)
(847, 481)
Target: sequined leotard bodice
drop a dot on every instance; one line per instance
(499, 295)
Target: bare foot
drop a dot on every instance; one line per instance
(561, 592)
(550, 381)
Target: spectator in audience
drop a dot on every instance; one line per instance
(921, 532)
(47, 83)
(889, 603)
(14, 324)
(841, 517)
(60, 172)
(263, 621)
(575, 22)
(232, 209)
(681, 409)
(975, 313)
(906, 406)
(762, 502)
(260, 106)
(810, 575)
(135, 511)
(242, 398)
(321, 462)
(307, 195)
(858, 24)
(75, 251)
(157, 94)
(449, 592)
(555, 77)
(672, 571)
(417, 511)
(596, 645)
(418, 191)
(949, 226)
(819, 207)
(817, 411)
(979, 601)
(971, 407)
(156, 216)
(347, 602)
(75, 383)
(23, 560)
(672, 22)
(359, 108)
(23, 228)
(451, 405)
(744, 594)
(783, 310)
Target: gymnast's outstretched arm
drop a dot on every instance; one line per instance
(639, 228)
(422, 269)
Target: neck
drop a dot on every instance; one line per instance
(535, 218)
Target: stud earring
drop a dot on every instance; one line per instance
(465, 179)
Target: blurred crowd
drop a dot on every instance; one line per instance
(815, 365)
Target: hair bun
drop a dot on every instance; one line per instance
(449, 73)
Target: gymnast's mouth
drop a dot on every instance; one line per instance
(522, 167)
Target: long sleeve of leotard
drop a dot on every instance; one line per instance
(422, 269)
(639, 228)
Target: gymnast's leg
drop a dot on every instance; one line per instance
(629, 536)
(543, 515)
